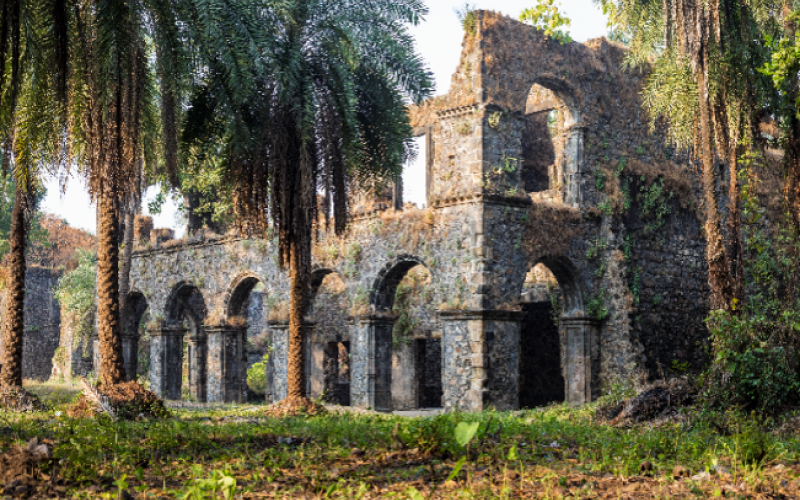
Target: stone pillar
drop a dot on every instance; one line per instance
(166, 361)
(280, 358)
(371, 362)
(197, 367)
(95, 340)
(480, 364)
(130, 355)
(580, 358)
(224, 367)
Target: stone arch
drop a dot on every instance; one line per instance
(245, 333)
(183, 342)
(185, 301)
(403, 363)
(236, 298)
(136, 304)
(553, 143)
(383, 291)
(328, 337)
(558, 341)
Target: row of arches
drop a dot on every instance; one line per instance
(403, 291)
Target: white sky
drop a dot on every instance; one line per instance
(438, 40)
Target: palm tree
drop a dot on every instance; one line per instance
(32, 36)
(131, 64)
(328, 115)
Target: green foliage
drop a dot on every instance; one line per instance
(546, 17)
(465, 432)
(207, 488)
(468, 19)
(756, 348)
(596, 307)
(257, 376)
(37, 235)
(76, 289)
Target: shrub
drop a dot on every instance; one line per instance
(257, 376)
(756, 361)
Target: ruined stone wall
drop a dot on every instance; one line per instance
(539, 154)
(42, 322)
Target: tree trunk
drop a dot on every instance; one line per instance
(297, 308)
(11, 373)
(127, 254)
(112, 370)
(719, 278)
(735, 227)
(792, 143)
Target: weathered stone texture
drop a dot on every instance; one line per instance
(539, 154)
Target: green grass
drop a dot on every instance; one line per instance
(545, 453)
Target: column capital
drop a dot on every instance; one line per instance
(578, 320)
(223, 328)
(373, 319)
(167, 331)
(481, 314)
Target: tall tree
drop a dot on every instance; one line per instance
(26, 29)
(328, 115)
(131, 63)
(704, 80)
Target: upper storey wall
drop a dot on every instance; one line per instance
(527, 116)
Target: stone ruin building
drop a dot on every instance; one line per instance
(560, 252)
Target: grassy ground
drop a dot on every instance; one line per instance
(558, 452)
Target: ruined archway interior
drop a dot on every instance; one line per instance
(416, 342)
(246, 307)
(186, 314)
(329, 353)
(134, 328)
(548, 141)
(541, 375)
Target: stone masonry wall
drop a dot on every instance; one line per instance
(42, 322)
(594, 194)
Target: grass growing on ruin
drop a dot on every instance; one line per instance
(550, 453)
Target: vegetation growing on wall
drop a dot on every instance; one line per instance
(76, 295)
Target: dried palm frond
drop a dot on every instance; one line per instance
(97, 398)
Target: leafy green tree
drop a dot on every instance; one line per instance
(546, 17)
(37, 235)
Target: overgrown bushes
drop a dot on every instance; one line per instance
(756, 348)
(257, 376)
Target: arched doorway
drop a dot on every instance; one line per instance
(184, 344)
(409, 347)
(552, 142)
(558, 342)
(328, 342)
(245, 309)
(135, 337)
(541, 380)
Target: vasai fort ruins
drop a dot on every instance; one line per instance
(560, 252)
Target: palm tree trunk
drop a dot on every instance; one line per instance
(719, 278)
(297, 307)
(11, 373)
(127, 254)
(112, 370)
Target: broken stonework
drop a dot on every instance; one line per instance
(540, 155)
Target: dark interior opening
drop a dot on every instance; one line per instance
(540, 378)
(429, 375)
(538, 151)
(337, 373)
